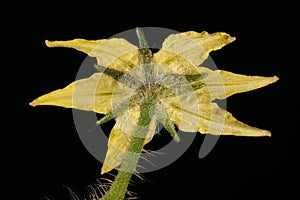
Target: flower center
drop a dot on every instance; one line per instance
(149, 93)
(151, 84)
(162, 87)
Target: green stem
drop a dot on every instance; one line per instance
(120, 184)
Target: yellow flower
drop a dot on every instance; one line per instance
(179, 89)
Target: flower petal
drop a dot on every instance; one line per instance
(118, 144)
(184, 110)
(208, 118)
(184, 52)
(120, 137)
(91, 94)
(116, 53)
(221, 84)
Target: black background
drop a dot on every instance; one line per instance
(44, 154)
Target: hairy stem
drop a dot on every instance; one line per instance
(120, 184)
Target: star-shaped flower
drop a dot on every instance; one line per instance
(177, 90)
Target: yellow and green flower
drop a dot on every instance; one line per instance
(140, 89)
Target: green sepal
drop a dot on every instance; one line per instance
(197, 77)
(199, 86)
(117, 111)
(119, 76)
(164, 118)
(146, 53)
(145, 56)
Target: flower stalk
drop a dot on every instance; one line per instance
(120, 184)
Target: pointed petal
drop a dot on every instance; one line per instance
(184, 52)
(115, 53)
(222, 84)
(118, 144)
(120, 137)
(208, 118)
(184, 110)
(91, 94)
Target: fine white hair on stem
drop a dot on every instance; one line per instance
(96, 191)
(147, 160)
(141, 177)
(140, 166)
(105, 179)
(99, 188)
(132, 198)
(92, 191)
(152, 153)
(131, 195)
(72, 193)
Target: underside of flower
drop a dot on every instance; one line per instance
(140, 89)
